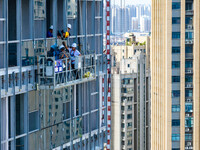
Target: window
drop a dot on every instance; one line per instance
(175, 108)
(189, 49)
(175, 137)
(127, 90)
(176, 20)
(129, 116)
(175, 93)
(175, 78)
(129, 125)
(127, 81)
(188, 93)
(129, 142)
(130, 99)
(188, 6)
(33, 121)
(129, 107)
(175, 122)
(189, 35)
(189, 122)
(188, 78)
(128, 65)
(189, 20)
(188, 107)
(176, 5)
(175, 64)
(188, 137)
(123, 125)
(176, 35)
(129, 134)
(188, 64)
(175, 50)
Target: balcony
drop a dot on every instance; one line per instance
(189, 12)
(188, 85)
(188, 71)
(55, 74)
(189, 41)
(188, 130)
(189, 27)
(189, 56)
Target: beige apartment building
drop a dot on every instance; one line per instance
(175, 80)
(130, 98)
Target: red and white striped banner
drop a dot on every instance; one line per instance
(109, 74)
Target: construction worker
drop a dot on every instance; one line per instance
(73, 53)
(50, 32)
(67, 34)
(63, 53)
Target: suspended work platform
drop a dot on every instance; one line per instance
(56, 74)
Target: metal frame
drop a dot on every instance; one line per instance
(26, 75)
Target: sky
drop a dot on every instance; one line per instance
(129, 2)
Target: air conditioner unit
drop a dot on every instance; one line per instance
(187, 129)
(190, 147)
(190, 26)
(189, 143)
(188, 85)
(187, 115)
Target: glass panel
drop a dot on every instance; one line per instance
(12, 25)
(57, 131)
(1, 9)
(2, 30)
(176, 5)
(20, 114)
(39, 46)
(12, 54)
(175, 137)
(189, 122)
(66, 132)
(71, 9)
(77, 128)
(2, 55)
(20, 144)
(188, 107)
(26, 34)
(33, 121)
(27, 53)
(39, 9)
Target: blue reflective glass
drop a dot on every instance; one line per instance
(175, 137)
(175, 93)
(176, 35)
(175, 122)
(188, 64)
(176, 5)
(175, 64)
(176, 50)
(175, 78)
(176, 20)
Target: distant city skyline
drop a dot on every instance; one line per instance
(131, 2)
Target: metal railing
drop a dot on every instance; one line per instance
(13, 85)
(64, 72)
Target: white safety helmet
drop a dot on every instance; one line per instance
(61, 47)
(51, 27)
(69, 26)
(74, 45)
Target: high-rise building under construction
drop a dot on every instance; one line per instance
(175, 75)
(51, 101)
